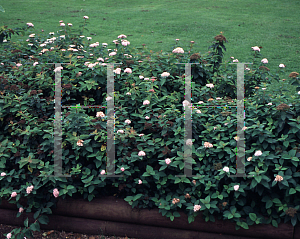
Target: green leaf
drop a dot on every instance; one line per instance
(43, 219)
(36, 214)
(292, 191)
(1, 9)
(286, 143)
(176, 214)
(269, 204)
(90, 149)
(244, 225)
(91, 188)
(252, 216)
(26, 222)
(35, 226)
(274, 223)
(191, 218)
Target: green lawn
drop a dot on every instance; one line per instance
(274, 25)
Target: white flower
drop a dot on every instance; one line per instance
(103, 172)
(128, 70)
(100, 114)
(70, 24)
(298, 92)
(168, 161)
(104, 44)
(112, 53)
(255, 48)
(140, 181)
(122, 169)
(197, 208)
(146, 102)
(141, 77)
(30, 24)
(128, 93)
(165, 74)
(146, 79)
(185, 103)
(32, 35)
(125, 43)
(249, 159)
(79, 142)
(58, 69)
(127, 121)
(226, 169)
(282, 65)
(122, 36)
(62, 36)
(236, 187)
(265, 60)
(85, 17)
(62, 24)
(35, 63)
(178, 50)
(108, 98)
(82, 36)
(120, 131)
(147, 117)
(198, 111)
(88, 38)
(3, 174)
(141, 135)
(258, 153)
(200, 102)
(236, 60)
(232, 57)
(210, 85)
(142, 153)
(271, 103)
(247, 68)
(51, 33)
(189, 142)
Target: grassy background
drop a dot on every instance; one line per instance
(272, 24)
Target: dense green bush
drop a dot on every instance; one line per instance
(155, 130)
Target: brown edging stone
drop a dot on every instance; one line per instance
(116, 212)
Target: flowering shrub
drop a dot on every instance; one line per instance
(149, 121)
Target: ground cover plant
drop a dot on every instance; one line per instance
(149, 128)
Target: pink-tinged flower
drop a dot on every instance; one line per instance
(57, 69)
(142, 153)
(35, 63)
(125, 43)
(198, 111)
(258, 153)
(178, 50)
(62, 24)
(112, 53)
(102, 172)
(197, 208)
(122, 36)
(168, 161)
(122, 169)
(55, 192)
(278, 178)
(18, 64)
(120, 131)
(14, 194)
(152, 90)
(232, 57)
(147, 117)
(30, 24)
(21, 210)
(165, 74)
(281, 65)
(63, 49)
(85, 17)
(265, 60)
(29, 189)
(128, 70)
(8, 236)
(210, 85)
(236, 187)
(118, 71)
(108, 98)
(177, 39)
(140, 181)
(247, 68)
(244, 128)
(185, 103)
(128, 93)
(192, 42)
(146, 79)
(237, 138)
(79, 142)
(141, 135)
(100, 114)
(236, 60)
(100, 59)
(3, 174)
(146, 102)
(115, 41)
(189, 142)
(70, 24)
(271, 103)
(61, 21)
(127, 121)
(249, 159)
(263, 88)
(255, 48)
(32, 35)
(141, 77)
(208, 145)
(226, 169)
(152, 80)
(104, 44)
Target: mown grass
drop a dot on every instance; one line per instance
(274, 25)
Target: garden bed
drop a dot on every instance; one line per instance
(115, 217)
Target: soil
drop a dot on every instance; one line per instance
(52, 234)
